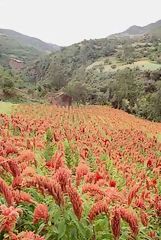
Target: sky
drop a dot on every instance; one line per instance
(65, 22)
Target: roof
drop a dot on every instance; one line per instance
(16, 60)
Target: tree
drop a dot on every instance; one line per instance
(78, 91)
(155, 103)
(7, 82)
(56, 76)
(8, 87)
(125, 89)
(128, 54)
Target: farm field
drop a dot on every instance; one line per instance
(143, 65)
(91, 173)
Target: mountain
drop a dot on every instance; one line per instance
(29, 41)
(21, 47)
(152, 29)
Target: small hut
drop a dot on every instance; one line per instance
(62, 99)
(16, 64)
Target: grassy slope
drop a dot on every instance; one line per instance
(6, 107)
(144, 64)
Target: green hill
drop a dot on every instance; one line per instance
(123, 71)
(152, 29)
(19, 46)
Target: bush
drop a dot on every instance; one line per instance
(8, 87)
(113, 66)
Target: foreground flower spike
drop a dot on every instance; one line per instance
(6, 191)
(144, 218)
(9, 218)
(76, 201)
(40, 213)
(56, 161)
(28, 236)
(81, 171)
(112, 183)
(46, 185)
(93, 189)
(131, 219)
(115, 223)
(63, 177)
(20, 196)
(98, 208)
(133, 193)
(55, 190)
(14, 168)
(157, 203)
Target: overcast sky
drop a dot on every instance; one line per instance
(68, 21)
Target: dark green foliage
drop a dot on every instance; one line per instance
(7, 82)
(78, 91)
(49, 136)
(125, 87)
(49, 151)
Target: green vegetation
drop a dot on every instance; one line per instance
(17, 45)
(6, 107)
(121, 71)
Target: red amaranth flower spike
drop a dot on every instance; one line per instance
(81, 171)
(20, 196)
(63, 177)
(55, 190)
(76, 201)
(133, 193)
(17, 182)
(98, 208)
(157, 204)
(93, 189)
(115, 224)
(112, 183)
(14, 168)
(10, 216)
(29, 236)
(144, 218)
(97, 177)
(40, 213)
(56, 161)
(153, 235)
(47, 186)
(131, 219)
(6, 191)
(26, 156)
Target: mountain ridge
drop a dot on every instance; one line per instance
(152, 29)
(14, 45)
(29, 40)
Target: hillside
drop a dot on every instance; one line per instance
(30, 41)
(152, 29)
(124, 72)
(18, 46)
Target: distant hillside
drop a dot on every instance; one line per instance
(123, 71)
(30, 41)
(152, 29)
(19, 46)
